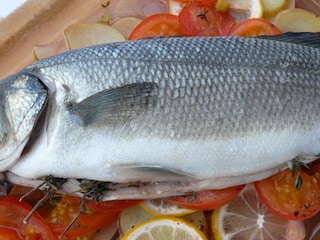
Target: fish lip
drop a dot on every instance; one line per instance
(5, 185)
(11, 156)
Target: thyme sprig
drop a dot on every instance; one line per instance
(296, 168)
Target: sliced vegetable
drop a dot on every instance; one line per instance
(200, 20)
(82, 35)
(207, 199)
(111, 206)
(87, 222)
(272, 7)
(12, 214)
(50, 49)
(126, 25)
(254, 27)
(10, 234)
(297, 20)
(245, 9)
(280, 195)
(157, 25)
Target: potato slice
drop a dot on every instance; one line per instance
(82, 35)
(126, 25)
(272, 7)
(297, 20)
(50, 49)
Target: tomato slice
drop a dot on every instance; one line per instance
(165, 25)
(201, 20)
(88, 221)
(12, 213)
(207, 199)
(280, 195)
(10, 234)
(112, 206)
(254, 27)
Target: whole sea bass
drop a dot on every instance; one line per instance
(163, 116)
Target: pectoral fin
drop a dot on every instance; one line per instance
(116, 105)
(148, 171)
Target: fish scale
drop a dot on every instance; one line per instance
(192, 112)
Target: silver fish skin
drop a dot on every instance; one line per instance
(172, 114)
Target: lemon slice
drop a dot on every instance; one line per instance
(163, 228)
(131, 217)
(244, 9)
(161, 207)
(246, 217)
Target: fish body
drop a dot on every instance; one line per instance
(173, 114)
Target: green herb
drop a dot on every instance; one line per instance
(192, 197)
(296, 168)
(105, 5)
(203, 15)
(298, 181)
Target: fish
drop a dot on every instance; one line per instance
(160, 117)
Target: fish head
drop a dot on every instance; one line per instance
(23, 98)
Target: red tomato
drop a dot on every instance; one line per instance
(157, 25)
(112, 206)
(200, 20)
(12, 213)
(254, 27)
(280, 195)
(207, 199)
(87, 222)
(10, 234)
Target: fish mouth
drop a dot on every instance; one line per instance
(5, 185)
(38, 129)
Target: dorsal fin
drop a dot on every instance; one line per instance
(309, 39)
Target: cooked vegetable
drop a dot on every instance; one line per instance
(12, 215)
(200, 20)
(157, 25)
(297, 20)
(207, 199)
(50, 49)
(88, 221)
(244, 9)
(272, 7)
(254, 27)
(280, 195)
(82, 35)
(126, 25)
